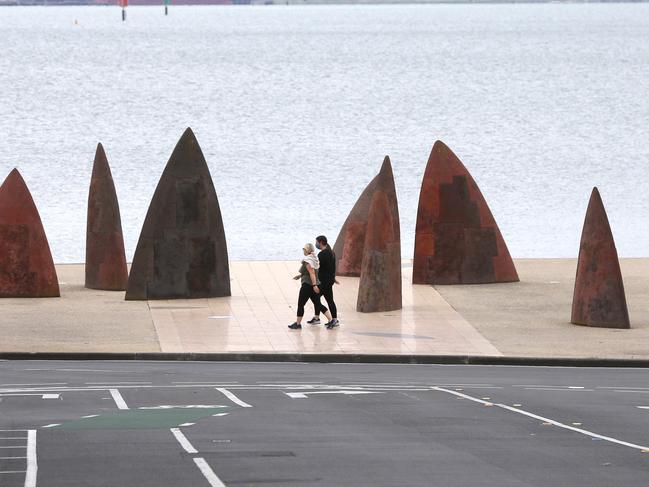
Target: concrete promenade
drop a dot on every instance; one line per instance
(529, 318)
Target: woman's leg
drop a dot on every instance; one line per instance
(303, 297)
(318, 306)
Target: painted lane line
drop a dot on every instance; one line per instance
(90, 416)
(32, 463)
(13, 438)
(303, 395)
(548, 420)
(116, 383)
(22, 447)
(184, 442)
(572, 389)
(51, 425)
(12, 430)
(12, 458)
(51, 396)
(187, 424)
(208, 473)
(218, 415)
(233, 398)
(13, 471)
(39, 384)
(117, 397)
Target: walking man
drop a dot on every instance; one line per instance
(327, 276)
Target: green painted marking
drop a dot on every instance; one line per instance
(142, 419)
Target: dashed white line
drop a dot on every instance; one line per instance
(184, 442)
(51, 425)
(546, 420)
(89, 416)
(233, 398)
(208, 473)
(218, 415)
(187, 424)
(32, 464)
(117, 397)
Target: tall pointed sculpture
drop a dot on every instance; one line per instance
(105, 256)
(26, 266)
(182, 251)
(379, 288)
(457, 240)
(351, 239)
(599, 298)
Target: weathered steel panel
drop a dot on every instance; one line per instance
(182, 251)
(599, 298)
(457, 240)
(350, 244)
(105, 256)
(26, 265)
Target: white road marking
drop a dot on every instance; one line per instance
(14, 446)
(51, 425)
(12, 471)
(13, 438)
(233, 398)
(51, 396)
(187, 406)
(117, 397)
(32, 464)
(570, 389)
(643, 407)
(187, 424)
(12, 430)
(184, 442)
(547, 420)
(220, 414)
(303, 395)
(90, 416)
(12, 458)
(115, 383)
(208, 473)
(38, 384)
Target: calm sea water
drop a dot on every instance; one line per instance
(296, 106)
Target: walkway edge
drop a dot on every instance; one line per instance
(335, 358)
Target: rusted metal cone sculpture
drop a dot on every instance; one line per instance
(457, 240)
(351, 239)
(379, 288)
(599, 298)
(26, 266)
(182, 251)
(105, 257)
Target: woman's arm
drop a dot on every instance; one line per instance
(314, 280)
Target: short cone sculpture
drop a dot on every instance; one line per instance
(105, 257)
(350, 243)
(182, 251)
(26, 266)
(379, 288)
(457, 240)
(599, 298)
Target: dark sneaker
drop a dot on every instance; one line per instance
(314, 321)
(295, 326)
(333, 324)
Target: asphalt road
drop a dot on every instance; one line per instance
(176, 424)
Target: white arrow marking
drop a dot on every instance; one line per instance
(303, 395)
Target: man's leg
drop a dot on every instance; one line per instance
(328, 293)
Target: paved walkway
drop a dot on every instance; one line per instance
(529, 318)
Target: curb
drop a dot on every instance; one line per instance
(333, 358)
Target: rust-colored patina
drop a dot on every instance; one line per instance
(379, 288)
(26, 265)
(105, 256)
(351, 239)
(457, 240)
(599, 298)
(182, 251)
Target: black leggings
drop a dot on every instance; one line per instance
(327, 291)
(306, 293)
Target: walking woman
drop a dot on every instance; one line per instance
(308, 275)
